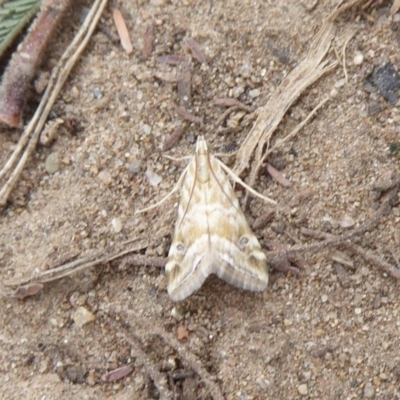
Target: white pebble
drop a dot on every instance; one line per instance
(340, 83)
(347, 222)
(116, 224)
(358, 59)
(82, 316)
(357, 311)
(324, 298)
(254, 93)
(369, 390)
(303, 389)
(152, 177)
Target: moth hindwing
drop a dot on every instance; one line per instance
(212, 235)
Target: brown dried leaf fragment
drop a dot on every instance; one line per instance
(174, 137)
(188, 116)
(117, 374)
(263, 220)
(122, 31)
(182, 332)
(277, 176)
(196, 51)
(23, 292)
(148, 41)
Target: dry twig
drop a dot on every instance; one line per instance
(23, 65)
(29, 138)
(305, 74)
(149, 327)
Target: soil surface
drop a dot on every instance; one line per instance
(330, 332)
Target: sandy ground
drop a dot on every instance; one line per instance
(331, 332)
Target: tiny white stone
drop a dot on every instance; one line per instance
(340, 83)
(116, 225)
(153, 178)
(82, 316)
(303, 389)
(357, 311)
(324, 298)
(254, 93)
(358, 59)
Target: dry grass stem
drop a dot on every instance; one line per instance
(304, 75)
(122, 31)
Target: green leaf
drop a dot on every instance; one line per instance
(14, 16)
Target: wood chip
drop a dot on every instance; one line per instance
(122, 31)
(277, 176)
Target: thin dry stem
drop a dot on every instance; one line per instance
(304, 75)
(160, 380)
(149, 327)
(333, 240)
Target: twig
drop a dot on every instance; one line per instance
(160, 381)
(23, 65)
(148, 327)
(58, 77)
(305, 74)
(333, 240)
(102, 257)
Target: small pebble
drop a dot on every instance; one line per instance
(153, 178)
(347, 222)
(135, 167)
(52, 163)
(369, 390)
(116, 225)
(177, 313)
(340, 83)
(237, 91)
(303, 389)
(82, 316)
(287, 322)
(357, 311)
(105, 177)
(254, 93)
(358, 59)
(324, 298)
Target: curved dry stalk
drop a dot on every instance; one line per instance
(304, 75)
(29, 139)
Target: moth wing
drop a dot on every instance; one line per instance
(187, 267)
(241, 263)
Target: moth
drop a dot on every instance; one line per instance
(212, 235)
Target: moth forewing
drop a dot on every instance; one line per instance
(212, 234)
